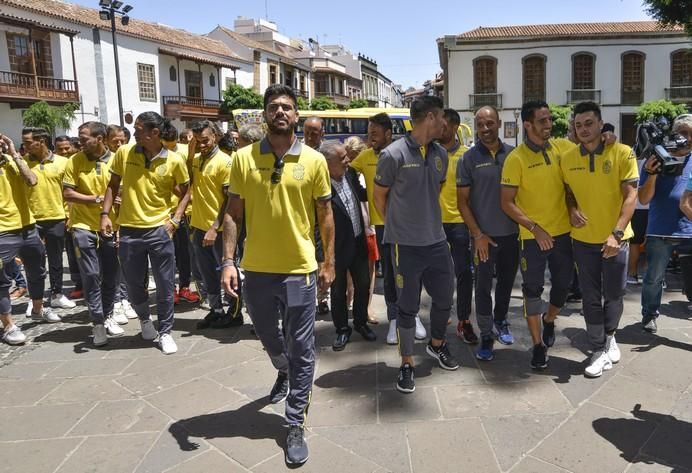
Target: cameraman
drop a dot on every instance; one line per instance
(662, 192)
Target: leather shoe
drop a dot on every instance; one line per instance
(341, 340)
(366, 332)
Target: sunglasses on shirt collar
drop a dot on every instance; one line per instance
(278, 170)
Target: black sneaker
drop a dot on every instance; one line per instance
(649, 323)
(322, 308)
(280, 390)
(209, 319)
(296, 447)
(444, 357)
(405, 382)
(548, 332)
(539, 360)
(574, 297)
(227, 321)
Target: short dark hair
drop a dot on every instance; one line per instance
(37, 134)
(113, 129)
(95, 129)
(528, 110)
(171, 134)
(76, 144)
(383, 120)
(61, 138)
(127, 134)
(227, 143)
(424, 105)
(452, 116)
(279, 89)
(583, 107)
(201, 125)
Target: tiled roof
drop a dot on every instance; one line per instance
(14, 19)
(560, 30)
(286, 56)
(138, 28)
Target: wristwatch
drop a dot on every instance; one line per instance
(99, 199)
(618, 234)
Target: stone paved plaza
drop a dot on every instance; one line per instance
(68, 407)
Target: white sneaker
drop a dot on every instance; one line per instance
(421, 334)
(392, 337)
(100, 336)
(151, 284)
(612, 348)
(46, 315)
(599, 363)
(29, 308)
(13, 336)
(127, 309)
(167, 344)
(119, 316)
(148, 330)
(113, 329)
(60, 301)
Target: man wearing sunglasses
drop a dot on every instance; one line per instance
(278, 186)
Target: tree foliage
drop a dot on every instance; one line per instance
(303, 104)
(671, 12)
(236, 96)
(358, 103)
(659, 108)
(49, 117)
(322, 103)
(561, 115)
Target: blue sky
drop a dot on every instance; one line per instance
(400, 36)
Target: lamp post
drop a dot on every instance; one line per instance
(109, 10)
(516, 112)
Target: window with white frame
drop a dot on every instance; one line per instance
(146, 77)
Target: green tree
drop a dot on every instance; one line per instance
(671, 12)
(49, 117)
(237, 96)
(322, 103)
(659, 108)
(561, 115)
(303, 104)
(358, 103)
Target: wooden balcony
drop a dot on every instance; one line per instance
(477, 101)
(193, 108)
(583, 95)
(20, 89)
(681, 94)
(339, 99)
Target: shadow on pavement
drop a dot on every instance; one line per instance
(634, 335)
(676, 310)
(662, 439)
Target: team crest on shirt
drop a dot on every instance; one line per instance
(298, 172)
(438, 163)
(607, 167)
(161, 169)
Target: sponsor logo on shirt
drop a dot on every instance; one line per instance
(607, 167)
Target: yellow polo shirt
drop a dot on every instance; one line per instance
(536, 174)
(366, 164)
(280, 218)
(45, 198)
(89, 178)
(15, 213)
(182, 150)
(147, 187)
(595, 179)
(209, 181)
(448, 194)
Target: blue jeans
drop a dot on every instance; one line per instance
(658, 253)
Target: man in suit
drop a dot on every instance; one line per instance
(350, 248)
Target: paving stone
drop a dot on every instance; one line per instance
(533, 465)
(109, 454)
(512, 436)
(644, 464)
(33, 422)
(501, 399)
(615, 438)
(253, 378)
(35, 456)
(623, 393)
(385, 445)
(148, 378)
(60, 352)
(25, 393)
(120, 417)
(87, 389)
(211, 462)
(345, 409)
(655, 368)
(172, 448)
(28, 371)
(683, 407)
(398, 407)
(670, 443)
(77, 368)
(199, 396)
(435, 446)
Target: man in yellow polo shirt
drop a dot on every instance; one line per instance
(18, 236)
(46, 203)
(84, 185)
(602, 194)
(533, 196)
(456, 231)
(211, 169)
(148, 173)
(278, 186)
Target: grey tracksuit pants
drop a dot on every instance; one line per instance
(27, 244)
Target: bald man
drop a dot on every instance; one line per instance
(313, 132)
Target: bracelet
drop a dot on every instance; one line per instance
(226, 260)
(533, 227)
(226, 264)
(476, 237)
(103, 214)
(174, 222)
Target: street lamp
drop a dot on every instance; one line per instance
(109, 10)
(517, 113)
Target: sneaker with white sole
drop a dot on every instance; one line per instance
(612, 349)
(167, 344)
(13, 336)
(119, 316)
(392, 337)
(29, 308)
(112, 327)
(127, 309)
(148, 330)
(46, 315)
(599, 363)
(100, 335)
(420, 330)
(60, 301)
